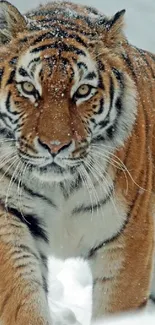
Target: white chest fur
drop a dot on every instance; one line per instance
(73, 229)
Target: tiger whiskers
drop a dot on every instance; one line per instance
(121, 164)
(88, 165)
(98, 174)
(90, 183)
(20, 189)
(12, 181)
(111, 161)
(7, 140)
(15, 159)
(4, 159)
(108, 186)
(83, 175)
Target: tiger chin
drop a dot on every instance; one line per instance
(77, 159)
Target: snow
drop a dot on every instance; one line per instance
(70, 284)
(70, 281)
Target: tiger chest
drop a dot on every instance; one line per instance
(78, 224)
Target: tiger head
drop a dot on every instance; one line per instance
(66, 100)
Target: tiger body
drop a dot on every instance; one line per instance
(77, 171)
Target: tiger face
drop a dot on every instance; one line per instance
(62, 101)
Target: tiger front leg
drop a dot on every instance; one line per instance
(22, 296)
(122, 275)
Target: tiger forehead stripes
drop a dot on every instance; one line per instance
(55, 79)
(60, 66)
(76, 158)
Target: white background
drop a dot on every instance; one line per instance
(140, 16)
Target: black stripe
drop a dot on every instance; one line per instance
(23, 72)
(55, 15)
(13, 60)
(119, 77)
(62, 47)
(112, 21)
(3, 117)
(38, 195)
(65, 192)
(111, 131)
(40, 12)
(33, 193)
(43, 259)
(1, 74)
(36, 228)
(101, 66)
(32, 222)
(27, 250)
(8, 101)
(43, 37)
(101, 21)
(113, 128)
(66, 23)
(25, 39)
(84, 209)
(8, 105)
(104, 123)
(94, 250)
(99, 138)
(45, 286)
(35, 28)
(104, 279)
(33, 61)
(75, 185)
(91, 75)
(101, 107)
(62, 22)
(59, 33)
(11, 77)
(111, 92)
(82, 65)
(119, 105)
(100, 81)
(93, 121)
(7, 134)
(129, 64)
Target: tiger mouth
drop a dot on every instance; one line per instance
(45, 164)
(56, 169)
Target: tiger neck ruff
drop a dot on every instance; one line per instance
(76, 158)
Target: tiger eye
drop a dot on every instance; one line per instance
(28, 87)
(84, 90)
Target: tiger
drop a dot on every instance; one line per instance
(77, 158)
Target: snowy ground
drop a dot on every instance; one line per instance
(140, 27)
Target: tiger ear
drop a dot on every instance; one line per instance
(12, 22)
(112, 32)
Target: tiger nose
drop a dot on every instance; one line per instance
(55, 146)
